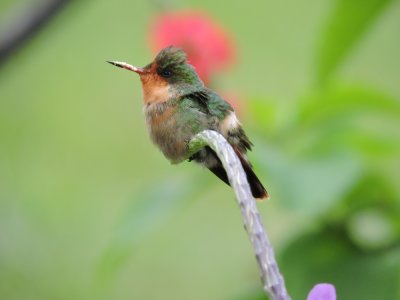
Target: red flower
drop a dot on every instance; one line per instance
(208, 46)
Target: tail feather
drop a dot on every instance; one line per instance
(257, 189)
(220, 172)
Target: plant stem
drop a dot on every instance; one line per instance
(272, 280)
(23, 21)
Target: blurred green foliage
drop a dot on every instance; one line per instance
(348, 22)
(89, 209)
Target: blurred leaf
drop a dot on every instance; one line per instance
(371, 191)
(359, 120)
(319, 157)
(155, 205)
(327, 256)
(370, 214)
(372, 229)
(348, 118)
(308, 185)
(349, 20)
(340, 100)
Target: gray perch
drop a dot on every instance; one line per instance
(272, 280)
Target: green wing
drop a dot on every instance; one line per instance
(216, 110)
(210, 103)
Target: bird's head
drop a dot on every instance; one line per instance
(167, 75)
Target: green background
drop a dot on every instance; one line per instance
(90, 209)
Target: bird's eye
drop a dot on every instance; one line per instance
(166, 73)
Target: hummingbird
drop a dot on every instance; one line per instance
(177, 106)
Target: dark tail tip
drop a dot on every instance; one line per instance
(257, 189)
(259, 193)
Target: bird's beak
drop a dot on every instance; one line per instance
(127, 66)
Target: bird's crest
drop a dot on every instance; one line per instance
(170, 56)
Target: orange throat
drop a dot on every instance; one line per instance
(155, 89)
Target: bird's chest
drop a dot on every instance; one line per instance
(166, 130)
